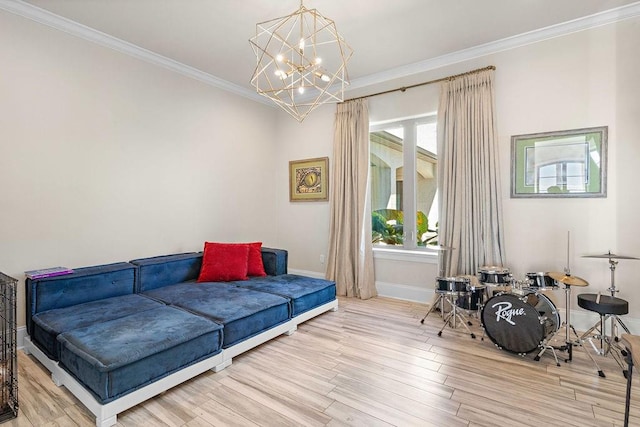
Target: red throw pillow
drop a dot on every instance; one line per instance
(255, 264)
(224, 262)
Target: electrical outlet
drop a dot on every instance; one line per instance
(321, 258)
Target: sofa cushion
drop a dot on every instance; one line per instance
(224, 262)
(243, 312)
(116, 357)
(49, 324)
(305, 293)
(156, 272)
(255, 265)
(83, 285)
(275, 261)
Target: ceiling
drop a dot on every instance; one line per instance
(212, 35)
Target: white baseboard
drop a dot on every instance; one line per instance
(21, 332)
(405, 292)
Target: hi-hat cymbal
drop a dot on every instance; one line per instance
(568, 279)
(609, 255)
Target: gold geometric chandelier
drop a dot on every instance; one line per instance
(301, 61)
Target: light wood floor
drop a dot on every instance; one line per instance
(370, 364)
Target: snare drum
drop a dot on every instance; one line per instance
(451, 284)
(520, 324)
(492, 274)
(541, 281)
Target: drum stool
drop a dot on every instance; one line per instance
(608, 308)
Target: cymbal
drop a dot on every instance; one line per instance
(609, 255)
(568, 279)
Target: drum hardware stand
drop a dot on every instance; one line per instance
(545, 346)
(569, 344)
(438, 302)
(609, 344)
(614, 318)
(444, 265)
(453, 316)
(568, 281)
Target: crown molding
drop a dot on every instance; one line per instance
(45, 17)
(558, 30)
(68, 26)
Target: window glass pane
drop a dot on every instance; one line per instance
(427, 137)
(426, 184)
(386, 186)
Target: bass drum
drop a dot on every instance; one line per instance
(519, 323)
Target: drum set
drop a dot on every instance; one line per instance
(515, 314)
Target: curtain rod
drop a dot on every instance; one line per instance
(442, 79)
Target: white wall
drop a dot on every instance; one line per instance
(303, 227)
(106, 158)
(579, 80)
(627, 145)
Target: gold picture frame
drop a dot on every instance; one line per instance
(309, 180)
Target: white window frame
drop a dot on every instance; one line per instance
(410, 251)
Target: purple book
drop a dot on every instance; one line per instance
(47, 272)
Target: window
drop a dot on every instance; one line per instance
(404, 169)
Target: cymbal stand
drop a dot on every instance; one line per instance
(454, 315)
(614, 318)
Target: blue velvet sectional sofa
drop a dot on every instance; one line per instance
(118, 334)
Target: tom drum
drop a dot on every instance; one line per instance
(451, 284)
(492, 274)
(475, 295)
(541, 281)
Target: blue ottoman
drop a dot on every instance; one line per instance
(117, 357)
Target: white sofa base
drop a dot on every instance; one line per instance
(106, 414)
(287, 328)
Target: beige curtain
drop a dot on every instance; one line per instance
(350, 257)
(470, 198)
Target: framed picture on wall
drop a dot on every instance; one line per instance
(568, 163)
(309, 180)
